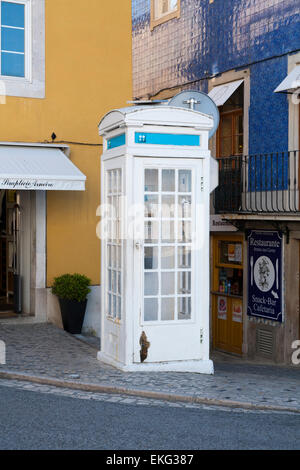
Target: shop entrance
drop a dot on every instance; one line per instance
(227, 293)
(9, 243)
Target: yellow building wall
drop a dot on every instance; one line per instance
(88, 72)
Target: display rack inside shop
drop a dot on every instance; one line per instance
(230, 281)
(229, 269)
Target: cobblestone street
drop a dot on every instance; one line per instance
(44, 351)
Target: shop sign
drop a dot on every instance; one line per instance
(217, 224)
(20, 183)
(265, 275)
(222, 308)
(41, 184)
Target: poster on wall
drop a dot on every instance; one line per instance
(237, 311)
(234, 252)
(265, 275)
(231, 252)
(238, 253)
(222, 308)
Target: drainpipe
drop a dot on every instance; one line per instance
(16, 262)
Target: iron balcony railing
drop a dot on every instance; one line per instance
(265, 183)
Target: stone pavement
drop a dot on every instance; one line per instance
(44, 354)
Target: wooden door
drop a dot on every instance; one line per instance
(227, 293)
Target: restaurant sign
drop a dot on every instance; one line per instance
(265, 275)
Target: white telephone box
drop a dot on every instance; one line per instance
(157, 175)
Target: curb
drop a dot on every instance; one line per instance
(142, 393)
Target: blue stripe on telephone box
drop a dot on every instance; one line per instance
(116, 141)
(166, 139)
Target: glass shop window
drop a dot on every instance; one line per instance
(230, 281)
(230, 252)
(229, 267)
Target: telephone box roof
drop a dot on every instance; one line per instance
(159, 115)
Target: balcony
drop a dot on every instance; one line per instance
(264, 183)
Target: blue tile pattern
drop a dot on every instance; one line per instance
(210, 38)
(268, 113)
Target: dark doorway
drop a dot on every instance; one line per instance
(8, 249)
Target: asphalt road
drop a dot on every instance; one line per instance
(35, 420)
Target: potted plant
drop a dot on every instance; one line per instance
(72, 291)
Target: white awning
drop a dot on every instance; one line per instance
(220, 94)
(291, 82)
(38, 167)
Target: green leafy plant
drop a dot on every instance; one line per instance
(72, 286)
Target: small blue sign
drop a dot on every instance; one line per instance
(167, 139)
(115, 142)
(265, 275)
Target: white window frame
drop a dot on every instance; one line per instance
(162, 18)
(32, 85)
(228, 77)
(294, 105)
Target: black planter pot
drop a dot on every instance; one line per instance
(72, 313)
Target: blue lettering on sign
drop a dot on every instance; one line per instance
(166, 139)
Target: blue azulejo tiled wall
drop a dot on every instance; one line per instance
(209, 38)
(215, 36)
(268, 113)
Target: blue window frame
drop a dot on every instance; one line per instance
(12, 39)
